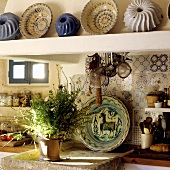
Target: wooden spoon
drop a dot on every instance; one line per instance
(146, 131)
(142, 127)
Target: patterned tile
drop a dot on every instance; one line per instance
(78, 81)
(159, 63)
(126, 98)
(141, 64)
(139, 100)
(139, 116)
(169, 62)
(139, 91)
(140, 81)
(136, 135)
(128, 139)
(161, 77)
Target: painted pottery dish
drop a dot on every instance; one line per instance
(99, 17)
(36, 21)
(109, 125)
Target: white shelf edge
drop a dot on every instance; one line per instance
(124, 42)
(157, 109)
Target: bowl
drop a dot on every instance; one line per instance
(158, 105)
(99, 17)
(36, 21)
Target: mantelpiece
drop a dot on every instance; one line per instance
(69, 49)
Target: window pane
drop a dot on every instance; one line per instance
(38, 71)
(17, 61)
(19, 71)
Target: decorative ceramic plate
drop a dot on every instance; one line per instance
(98, 17)
(36, 21)
(109, 125)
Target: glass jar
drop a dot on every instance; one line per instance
(9, 100)
(3, 99)
(15, 100)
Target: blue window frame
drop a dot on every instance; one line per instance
(25, 72)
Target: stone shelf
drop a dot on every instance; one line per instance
(71, 159)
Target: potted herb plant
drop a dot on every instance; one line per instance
(54, 119)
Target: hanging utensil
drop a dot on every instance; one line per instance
(116, 59)
(96, 77)
(123, 69)
(110, 69)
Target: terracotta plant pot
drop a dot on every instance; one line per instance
(151, 100)
(49, 149)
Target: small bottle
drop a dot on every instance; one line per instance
(9, 100)
(159, 132)
(3, 99)
(165, 98)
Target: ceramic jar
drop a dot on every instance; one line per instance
(67, 25)
(3, 99)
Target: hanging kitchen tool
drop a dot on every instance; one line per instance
(123, 68)
(117, 58)
(97, 69)
(110, 69)
(96, 76)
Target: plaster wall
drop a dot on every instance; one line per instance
(2, 7)
(76, 7)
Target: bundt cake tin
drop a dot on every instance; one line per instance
(9, 26)
(143, 15)
(67, 25)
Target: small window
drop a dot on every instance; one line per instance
(28, 72)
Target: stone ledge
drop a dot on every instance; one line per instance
(71, 159)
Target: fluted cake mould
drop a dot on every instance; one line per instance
(143, 15)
